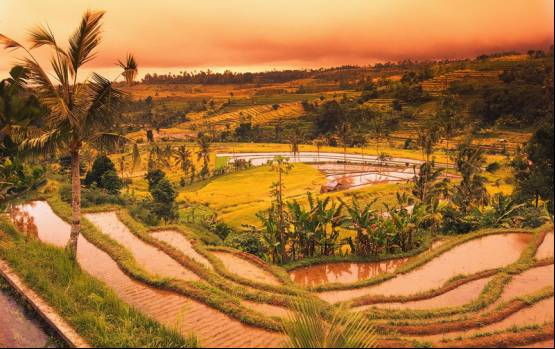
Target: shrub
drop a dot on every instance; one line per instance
(142, 212)
(163, 203)
(493, 167)
(92, 196)
(103, 175)
(246, 242)
(531, 216)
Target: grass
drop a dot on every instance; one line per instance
(95, 312)
(237, 197)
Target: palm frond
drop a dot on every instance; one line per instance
(47, 142)
(103, 103)
(9, 44)
(85, 39)
(306, 328)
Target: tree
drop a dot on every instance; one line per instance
(427, 183)
(163, 197)
(130, 69)
(282, 166)
(103, 175)
(344, 133)
(79, 112)
(295, 139)
(135, 158)
(305, 327)
(471, 190)
(203, 142)
(318, 143)
(183, 159)
(534, 168)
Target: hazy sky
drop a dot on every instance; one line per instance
(261, 34)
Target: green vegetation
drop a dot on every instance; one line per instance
(87, 304)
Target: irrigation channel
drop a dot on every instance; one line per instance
(342, 171)
(215, 329)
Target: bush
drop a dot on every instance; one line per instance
(92, 196)
(142, 212)
(103, 175)
(531, 216)
(221, 229)
(163, 204)
(493, 167)
(246, 242)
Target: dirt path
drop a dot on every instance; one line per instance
(476, 255)
(213, 328)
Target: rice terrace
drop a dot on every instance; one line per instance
(301, 174)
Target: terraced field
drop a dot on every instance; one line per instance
(262, 114)
(487, 288)
(437, 85)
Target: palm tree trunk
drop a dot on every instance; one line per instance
(75, 203)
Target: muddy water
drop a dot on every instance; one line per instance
(213, 328)
(342, 272)
(459, 296)
(17, 328)
(522, 284)
(546, 248)
(181, 243)
(246, 269)
(347, 272)
(539, 313)
(489, 252)
(150, 258)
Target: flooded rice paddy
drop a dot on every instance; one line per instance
(484, 253)
(546, 248)
(182, 244)
(245, 268)
(150, 258)
(346, 272)
(214, 329)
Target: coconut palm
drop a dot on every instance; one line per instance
(203, 153)
(319, 143)
(305, 327)
(183, 159)
(130, 68)
(79, 113)
(344, 133)
(294, 141)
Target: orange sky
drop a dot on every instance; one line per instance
(261, 34)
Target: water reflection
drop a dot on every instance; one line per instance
(343, 272)
(23, 221)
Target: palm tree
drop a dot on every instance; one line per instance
(79, 113)
(183, 159)
(344, 132)
(135, 158)
(203, 143)
(294, 140)
(130, 69)
(305, 327)
(318, 143)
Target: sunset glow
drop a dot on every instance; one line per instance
(258, 35)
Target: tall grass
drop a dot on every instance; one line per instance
(94, 311)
